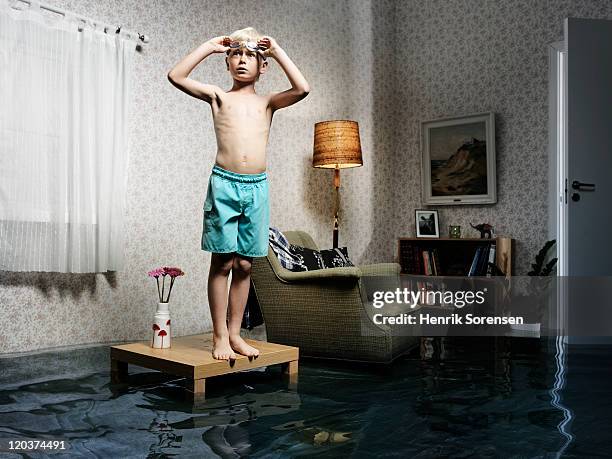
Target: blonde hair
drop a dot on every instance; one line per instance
(246, 34)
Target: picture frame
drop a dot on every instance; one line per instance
(458, 162)
(427, 223)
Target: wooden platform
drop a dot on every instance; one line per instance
(191, 357)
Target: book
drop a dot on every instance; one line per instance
(491, 260)
(436, 263)
(474, 264)
(481, 269)
(406, 258)
(426, 263)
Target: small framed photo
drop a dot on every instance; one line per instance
(427, 223)
(458, 160)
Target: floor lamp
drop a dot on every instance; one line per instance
(336, 146)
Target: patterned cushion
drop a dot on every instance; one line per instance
(308, 259)
(336, 258)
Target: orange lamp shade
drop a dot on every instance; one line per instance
(337, 144)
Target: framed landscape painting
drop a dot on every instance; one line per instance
(458, 160)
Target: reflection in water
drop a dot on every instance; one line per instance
(555, 393)
(167, 440)
(228, 441)
(480, 398)
(315, 435)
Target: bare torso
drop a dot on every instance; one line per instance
(242, 124)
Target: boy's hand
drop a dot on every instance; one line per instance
(219, 44)
(269, 44)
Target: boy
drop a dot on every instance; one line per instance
(236, 208)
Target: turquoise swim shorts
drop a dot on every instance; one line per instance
(236, 213)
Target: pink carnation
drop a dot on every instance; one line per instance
(156, 272)
(173, 272)
(163, 272)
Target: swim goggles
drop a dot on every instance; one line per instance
(250, 45)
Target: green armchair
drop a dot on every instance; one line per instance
(321, 311)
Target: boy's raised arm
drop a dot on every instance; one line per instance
(299, 86)
(178, 76)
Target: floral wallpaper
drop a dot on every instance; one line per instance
(387, 64)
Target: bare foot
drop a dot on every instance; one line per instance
(240, 346)
(222, 349)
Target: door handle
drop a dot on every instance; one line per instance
(576, 185)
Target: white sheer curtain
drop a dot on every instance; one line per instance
(64, 142)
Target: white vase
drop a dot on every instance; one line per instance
(161, 327)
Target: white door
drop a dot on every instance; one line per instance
(589, 147)
(581, 92)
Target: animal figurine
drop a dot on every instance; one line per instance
(485, 229)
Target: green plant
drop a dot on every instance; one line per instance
(538, 268)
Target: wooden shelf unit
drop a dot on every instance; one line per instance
(455, 255)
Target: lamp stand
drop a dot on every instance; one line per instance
(337, 205)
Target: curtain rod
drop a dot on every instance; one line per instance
(144, 38)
